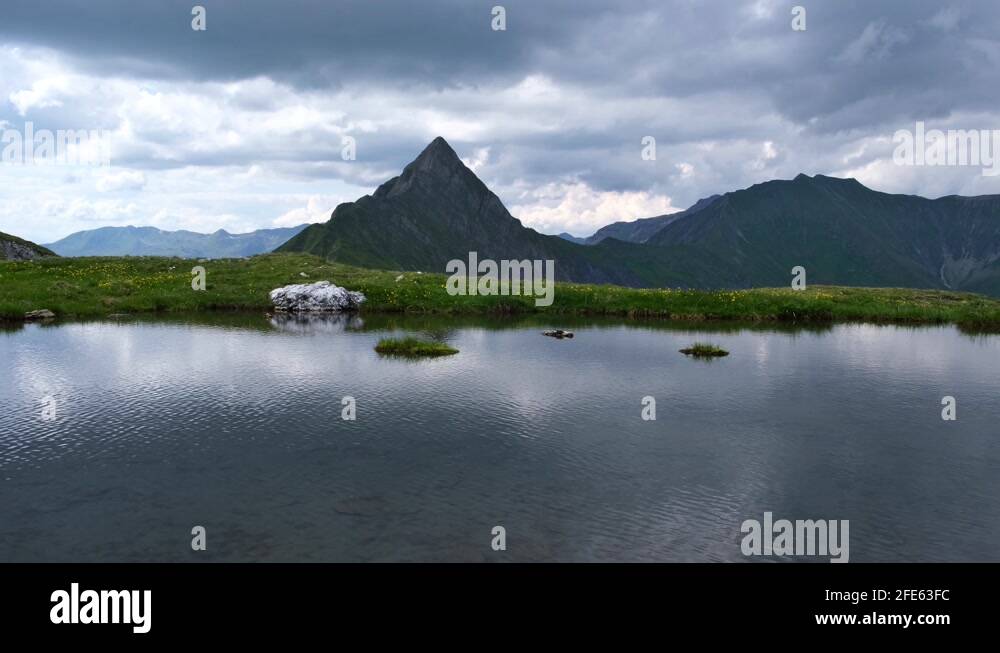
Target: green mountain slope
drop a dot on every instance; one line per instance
(842, 233)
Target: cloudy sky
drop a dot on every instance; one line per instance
(241, 126)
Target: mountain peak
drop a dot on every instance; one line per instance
(437, 165)
(438, 155)
(439, 143)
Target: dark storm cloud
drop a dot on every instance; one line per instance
(732, 94)
(853, 51)
(306, 43)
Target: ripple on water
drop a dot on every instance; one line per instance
(161, 426)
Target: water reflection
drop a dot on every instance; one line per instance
(317, 323)
(233, 421)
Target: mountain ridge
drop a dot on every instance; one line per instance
(842, 232)
(152, 241)
(863, 237)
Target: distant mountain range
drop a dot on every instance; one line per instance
(839, 230)
(573, 239)
(13, 248)
(638, 231)
(438, 210)
(150, 241)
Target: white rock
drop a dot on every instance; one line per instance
(315, 297)
(42, 314)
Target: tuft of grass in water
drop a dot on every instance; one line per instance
(99, 286)
(413, 347)
(702, 349)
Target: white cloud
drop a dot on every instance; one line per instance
(479, 158)
(768, 153)
(578, 209)
(123, 180)
(317, 209)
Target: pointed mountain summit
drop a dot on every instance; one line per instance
(438, 157)
(438, 210)
(437, 169)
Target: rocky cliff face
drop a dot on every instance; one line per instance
(16, 249)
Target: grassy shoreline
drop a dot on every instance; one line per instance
(96, 287)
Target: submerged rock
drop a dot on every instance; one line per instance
(558, 333)
(321, 296)
(43, 314)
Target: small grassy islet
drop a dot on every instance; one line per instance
(704, 350)
(413, 348)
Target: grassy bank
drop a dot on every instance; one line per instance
(91, 287)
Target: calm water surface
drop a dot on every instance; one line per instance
(234, 424)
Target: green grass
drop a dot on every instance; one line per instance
(95, 287)
(702, 349)
(413, 347)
